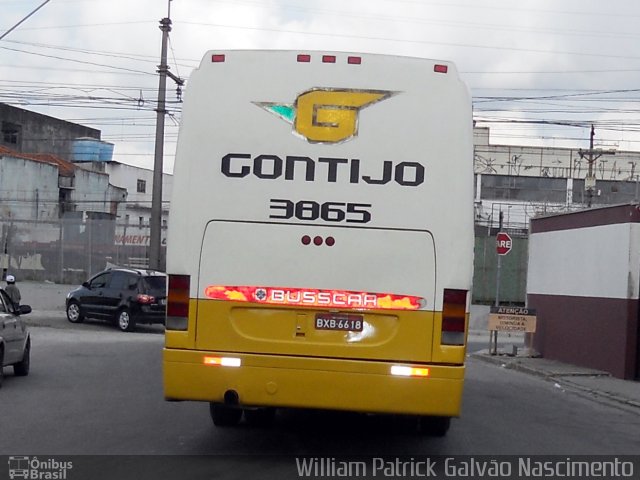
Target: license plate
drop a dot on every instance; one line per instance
(341, 322)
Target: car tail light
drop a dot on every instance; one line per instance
(145, 299)
(178, 302)
(454, 307)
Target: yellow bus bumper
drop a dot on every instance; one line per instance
(308, 382)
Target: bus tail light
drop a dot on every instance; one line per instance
(454, 307)
(178, 302)
(403, 371)
(222, 361)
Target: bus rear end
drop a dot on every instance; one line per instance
(320, 238)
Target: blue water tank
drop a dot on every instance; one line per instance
(106, 152)
(85, 150)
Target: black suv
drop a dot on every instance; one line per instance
(124, 295)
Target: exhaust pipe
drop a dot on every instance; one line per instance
(231, 397)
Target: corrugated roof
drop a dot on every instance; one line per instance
(65, 168)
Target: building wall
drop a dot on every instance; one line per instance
(37, 133)
(521, 198)
(584, 281)
(94, 193)
(134, 222)
(28, 190)
(550, 162)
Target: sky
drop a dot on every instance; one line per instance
(540, 72)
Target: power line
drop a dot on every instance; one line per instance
(426, 42)
(77, 61)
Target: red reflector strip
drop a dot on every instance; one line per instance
(304, 58)
(354, 60)
(178, 296)
(328, 59)
(454, 307)
(455, 297)
(440, 68)
(453, 324)
(315, 298)
(218, 57)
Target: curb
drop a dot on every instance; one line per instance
(511, 363)
(46, 318)
(599, 396)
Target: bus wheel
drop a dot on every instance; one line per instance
(434, 426)
(260, 417)
(224, 416)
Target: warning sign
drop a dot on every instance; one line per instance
(512, 319)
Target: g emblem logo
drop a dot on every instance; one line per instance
(326, 115)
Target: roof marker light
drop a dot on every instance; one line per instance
(218, 57)
(304, 58)
(354, 60)
(402, 371)
(440, 68)
(328, 59)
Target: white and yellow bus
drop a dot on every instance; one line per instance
(320, 240)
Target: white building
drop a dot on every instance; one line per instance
(133, 224)
(524, 182)
(55, 215)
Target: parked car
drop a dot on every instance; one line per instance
(15, 340)
(127, 296)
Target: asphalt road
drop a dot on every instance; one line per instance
(93, 390)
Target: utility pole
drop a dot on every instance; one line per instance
(156, 193)
(591, 157)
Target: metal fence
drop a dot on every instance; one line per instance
(71, 249)
(513, 276)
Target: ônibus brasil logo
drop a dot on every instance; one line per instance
(326, 115)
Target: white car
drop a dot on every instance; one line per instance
(15, 341)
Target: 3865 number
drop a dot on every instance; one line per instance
(329, 211)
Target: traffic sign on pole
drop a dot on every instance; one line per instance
(503, 243)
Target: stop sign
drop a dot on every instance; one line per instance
(503, 243)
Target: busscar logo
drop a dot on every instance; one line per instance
(326, 115)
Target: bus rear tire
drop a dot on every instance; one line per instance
(434, 426)
(224, 416)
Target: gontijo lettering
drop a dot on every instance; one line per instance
(332, 170)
